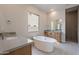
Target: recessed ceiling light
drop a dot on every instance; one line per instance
(51, 10)
(53, 13)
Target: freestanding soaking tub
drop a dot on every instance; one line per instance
(43, 43)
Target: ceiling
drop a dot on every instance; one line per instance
(47, 7)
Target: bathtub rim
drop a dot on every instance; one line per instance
(54, 40)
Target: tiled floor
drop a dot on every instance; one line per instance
(63, 49)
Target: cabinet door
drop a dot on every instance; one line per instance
(55, 35)
(58, 36)
(26, 50)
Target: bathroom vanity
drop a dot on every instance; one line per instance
(21, 50)
(53, 34)
(15, 45)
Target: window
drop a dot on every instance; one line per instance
(32, 22)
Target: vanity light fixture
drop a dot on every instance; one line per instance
(60, 20)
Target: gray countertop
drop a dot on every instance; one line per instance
(13, 43)
(52, 30)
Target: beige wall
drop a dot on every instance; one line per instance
(18, 16)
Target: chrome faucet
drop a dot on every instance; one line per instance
(2, 36)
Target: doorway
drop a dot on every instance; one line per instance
(72, 25)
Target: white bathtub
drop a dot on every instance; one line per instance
(43, 43)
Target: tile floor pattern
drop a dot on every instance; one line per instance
(63, 49)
